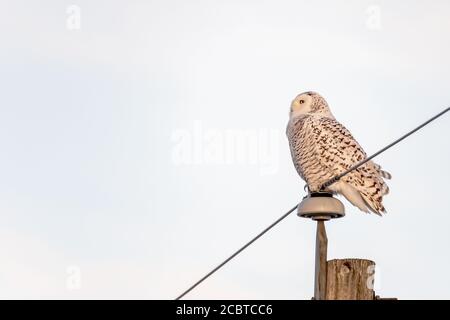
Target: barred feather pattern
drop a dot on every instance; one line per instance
(322, 148)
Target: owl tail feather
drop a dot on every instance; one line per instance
(385, 174)
(371, 208)
(382, 173)
(352, 195)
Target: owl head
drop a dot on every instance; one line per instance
(309, 103)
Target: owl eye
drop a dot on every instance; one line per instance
(302, 101)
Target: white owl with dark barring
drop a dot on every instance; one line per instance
(322, 148)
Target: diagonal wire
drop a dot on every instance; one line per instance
(326, 184)
(338, 177)
(236, 253)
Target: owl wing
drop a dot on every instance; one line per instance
(295, 136)
(338, 151)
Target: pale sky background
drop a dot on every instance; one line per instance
(114, 180)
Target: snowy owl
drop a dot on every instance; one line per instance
(322, 148)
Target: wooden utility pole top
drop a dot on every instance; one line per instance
(343, 279)
(320, 275)
(350, 279)
(339, 279)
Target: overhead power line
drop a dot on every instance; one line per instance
(237, 252)
(326, 184)
(356, 166)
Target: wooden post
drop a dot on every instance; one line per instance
(344, 279)
(320, 277)
(350, 279)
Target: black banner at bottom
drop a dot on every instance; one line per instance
(217, 309)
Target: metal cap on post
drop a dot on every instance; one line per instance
(320, 206)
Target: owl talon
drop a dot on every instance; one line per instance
(307, 189)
